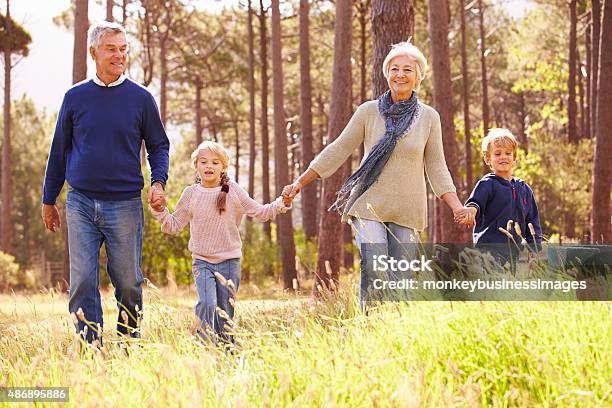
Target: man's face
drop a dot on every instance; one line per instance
(110, 55)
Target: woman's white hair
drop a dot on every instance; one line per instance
(99, 29)
(408, 49)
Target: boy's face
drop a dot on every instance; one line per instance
(501, 160)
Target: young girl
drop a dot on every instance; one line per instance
(214, 207)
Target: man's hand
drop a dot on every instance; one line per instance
(157, 197)
(51, 218)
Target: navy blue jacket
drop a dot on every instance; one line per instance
(499, 200)
(96, 145)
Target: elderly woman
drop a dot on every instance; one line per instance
(386, 197)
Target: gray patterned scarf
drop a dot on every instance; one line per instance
(398, 118)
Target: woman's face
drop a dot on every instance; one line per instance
(402, 78)
(209, 166)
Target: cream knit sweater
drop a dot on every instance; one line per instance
(399, 195)
(215, 237)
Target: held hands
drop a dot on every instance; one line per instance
(465, 216)
(290, 191)
(156, 197)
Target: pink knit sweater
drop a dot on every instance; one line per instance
(214, 237)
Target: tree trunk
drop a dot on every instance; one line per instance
(163, 81)
(466, 101)
(581, 98)
(265, 155)
(213, 130)
(284, 230)
(363, 8)
(347, 248)
(329, 246)
(571, 82)
(595, 34)
(252, 151)
(198, 110)
(237, 158)
(570, 221)
(392, 22)
(323, 124)
(601, 224)
(437, 217)
(147, 41)
(589, 70)
(309, 193)
(81, 24)
(7, 224)
(347, 234)
(124, 12)
(430, 216)
(483, 76)
(109, 10)
(522, 124)
(443, 103)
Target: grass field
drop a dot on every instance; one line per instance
(293, 352)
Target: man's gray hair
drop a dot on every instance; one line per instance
(98, 30)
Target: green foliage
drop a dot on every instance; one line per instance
(12, 277)
(306, 251)
(560, 176)
(9, 271)
(31, 137)
(162, 252)
(19, 39)
(259, 254)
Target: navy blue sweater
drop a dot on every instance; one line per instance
(96, 145)
(499, 200)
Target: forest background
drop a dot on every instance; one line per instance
(275, 82)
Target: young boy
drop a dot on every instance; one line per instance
(498, 198)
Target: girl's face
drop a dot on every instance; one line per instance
(209, 167)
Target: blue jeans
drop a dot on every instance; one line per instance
(212, 295)
(378, 238)
(118, 225)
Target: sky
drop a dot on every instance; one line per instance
(46, 73)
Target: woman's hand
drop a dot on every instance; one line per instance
(291, 190)
(465, 216)
(287, 200)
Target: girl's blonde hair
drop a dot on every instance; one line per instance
(222, 154)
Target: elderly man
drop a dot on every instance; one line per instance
(96, 149)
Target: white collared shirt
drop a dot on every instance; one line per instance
(119, 81)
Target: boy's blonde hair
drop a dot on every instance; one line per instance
(220, 152)
(498, 137)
